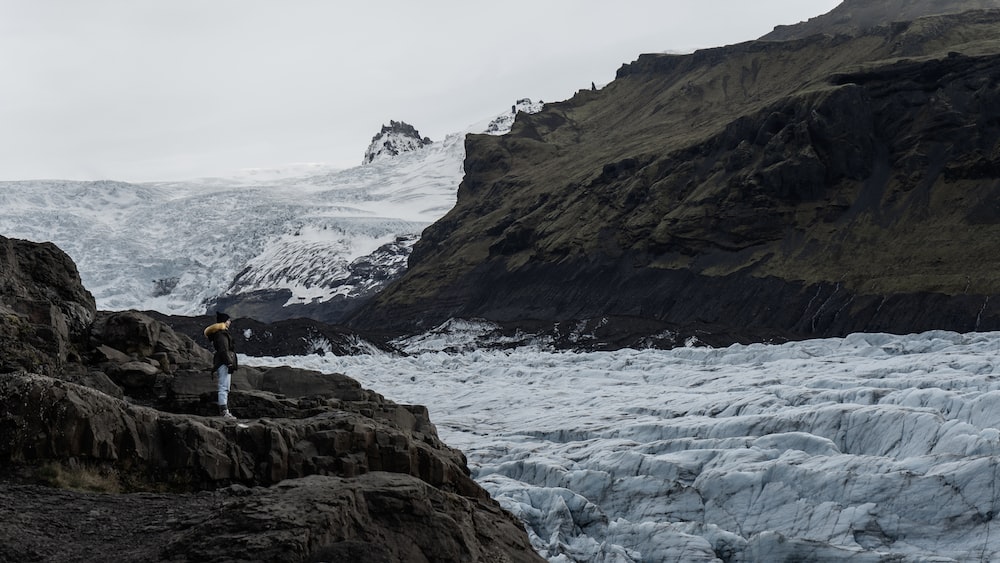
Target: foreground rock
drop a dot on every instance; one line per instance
(346, 433)
(44, 308)
(320, 469)
(378, 517)
(374, 517)
(339, 473)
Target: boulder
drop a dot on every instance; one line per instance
(138, 335)
(44, 308)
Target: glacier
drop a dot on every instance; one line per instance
(872, 447)
(175, 246)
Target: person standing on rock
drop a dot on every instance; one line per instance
(224, 362)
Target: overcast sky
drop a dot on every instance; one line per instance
(140, 90)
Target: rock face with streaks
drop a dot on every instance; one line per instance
(299, 425)
(319, 469)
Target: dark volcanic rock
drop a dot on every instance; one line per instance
(764, 190)
(339, 430)
(45, 309)
(377, 517)
(351, 475)
(290, 337)
(856, 16)
(43, 523)
(140, 335)
(321, 468)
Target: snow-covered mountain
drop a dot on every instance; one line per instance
(504, 122)
(306, 234)
(870, 448)
(394, 139)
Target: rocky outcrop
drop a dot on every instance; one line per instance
(766, 190)
(394, 139)
(377, 517)
(43, 305)
(326, 427)
(319, 469)
(361, 279)
(503, 123)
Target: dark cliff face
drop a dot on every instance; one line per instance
(802, 188)
(856, 16)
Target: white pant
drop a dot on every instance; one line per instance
(224, 381)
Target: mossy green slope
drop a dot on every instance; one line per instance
(768, 174)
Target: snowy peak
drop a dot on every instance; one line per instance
(502, 124)
(396, 138)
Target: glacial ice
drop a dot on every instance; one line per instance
(873, 447)
(173, 246)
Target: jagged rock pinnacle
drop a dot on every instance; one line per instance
(394, 139)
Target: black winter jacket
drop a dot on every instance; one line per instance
(219, 335)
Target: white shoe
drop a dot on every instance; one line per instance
(227, 415)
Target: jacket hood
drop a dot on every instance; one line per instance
(212, 329)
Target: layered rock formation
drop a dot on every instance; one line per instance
(43, 306)
(375, 517)
(321, 469)
(765, 190)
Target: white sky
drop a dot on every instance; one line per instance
(140, 90)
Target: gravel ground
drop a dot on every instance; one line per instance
(41, 523)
